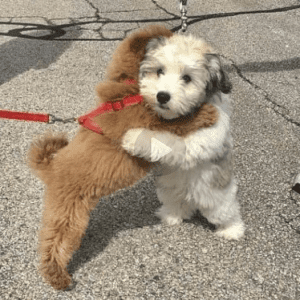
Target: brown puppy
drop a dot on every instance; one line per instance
(91, 166)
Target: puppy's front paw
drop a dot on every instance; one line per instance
(129, 140)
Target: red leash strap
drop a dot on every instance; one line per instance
(24, 116)
(85, 120)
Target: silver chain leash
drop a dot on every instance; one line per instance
(183, 11)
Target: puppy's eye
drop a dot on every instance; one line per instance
(187, 78)
(159, 72)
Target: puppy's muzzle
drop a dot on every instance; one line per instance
(163, 97)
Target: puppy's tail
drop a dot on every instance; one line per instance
(42, 150)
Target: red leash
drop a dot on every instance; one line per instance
(85, 120)
(6, 114)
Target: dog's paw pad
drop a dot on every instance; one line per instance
(232, 232)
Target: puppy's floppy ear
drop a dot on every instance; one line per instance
(155, 43)
(218, 79)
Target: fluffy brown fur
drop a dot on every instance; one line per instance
(91, 166)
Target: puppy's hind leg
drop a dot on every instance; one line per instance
(65, 220)
(175, 207)
(225, 213)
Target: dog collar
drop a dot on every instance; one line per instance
(87, 120)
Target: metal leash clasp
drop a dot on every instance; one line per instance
(54, 119)
(183, 11)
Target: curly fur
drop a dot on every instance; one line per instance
(91, 166)
(42, 152)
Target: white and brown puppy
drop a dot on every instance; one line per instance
(177, 75)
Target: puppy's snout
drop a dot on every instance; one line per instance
(163, 97)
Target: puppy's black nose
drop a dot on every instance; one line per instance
(163, 97)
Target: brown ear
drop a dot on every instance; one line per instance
(141, 38)
(138, 46)
(219, 80)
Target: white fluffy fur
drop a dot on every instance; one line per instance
(177, 56)
(193, 159)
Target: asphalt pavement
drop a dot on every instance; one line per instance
(52, 55)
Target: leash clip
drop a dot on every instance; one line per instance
(54, 119)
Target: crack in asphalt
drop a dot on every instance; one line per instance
(97, 13)
(160, 7)
(95, 8)
(276, 107)
(289, 221)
